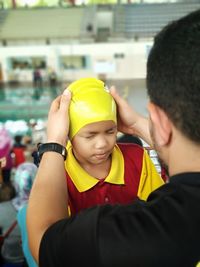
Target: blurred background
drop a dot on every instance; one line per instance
(46, 44)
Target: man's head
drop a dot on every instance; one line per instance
(173, 74)
(91, 102)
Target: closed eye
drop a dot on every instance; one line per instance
(89, 136)
(111, 131)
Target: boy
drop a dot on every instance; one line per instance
(98, 170)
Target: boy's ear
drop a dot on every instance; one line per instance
(161, 124)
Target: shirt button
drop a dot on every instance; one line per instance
(106, 199)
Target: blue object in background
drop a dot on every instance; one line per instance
(21, 219)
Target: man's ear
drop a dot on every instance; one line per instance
(161, 124)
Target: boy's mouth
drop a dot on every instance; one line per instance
(101, 156)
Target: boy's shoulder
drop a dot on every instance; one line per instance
(133, 154)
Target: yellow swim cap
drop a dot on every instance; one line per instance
(91, 102)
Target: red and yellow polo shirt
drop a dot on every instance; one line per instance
(132, 174)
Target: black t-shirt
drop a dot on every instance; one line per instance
(162, 232)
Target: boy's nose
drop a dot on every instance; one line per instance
(101, 142)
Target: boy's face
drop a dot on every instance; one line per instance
(94, 143)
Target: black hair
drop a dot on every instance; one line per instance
(173, 73)
(126, 138)
(18, 139)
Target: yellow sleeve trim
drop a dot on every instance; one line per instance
(150, 178)
(69, 210)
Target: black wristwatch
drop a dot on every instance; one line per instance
(55, 147)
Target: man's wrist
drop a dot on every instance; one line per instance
(53, 147)
(60, 141)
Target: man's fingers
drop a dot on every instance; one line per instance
(119, 100)
(65, 100)
(55, 104)
(113, 91)
(61, 102)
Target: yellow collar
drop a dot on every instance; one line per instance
(83, 181)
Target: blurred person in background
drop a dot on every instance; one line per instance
(37, 78)
(7, 190)
(6, 144)
(18, 150)
(52, 78)
(12, 250)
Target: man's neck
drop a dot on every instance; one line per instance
(184, 156)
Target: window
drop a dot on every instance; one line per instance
(73, 62)
(27, 62)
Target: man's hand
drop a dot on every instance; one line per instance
(127, 117)
(128, 120)
(58, 119)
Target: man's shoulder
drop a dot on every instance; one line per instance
(166, 208)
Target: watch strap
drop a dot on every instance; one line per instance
(54, 147)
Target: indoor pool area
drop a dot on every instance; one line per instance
(29, 103)
(25, 103)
